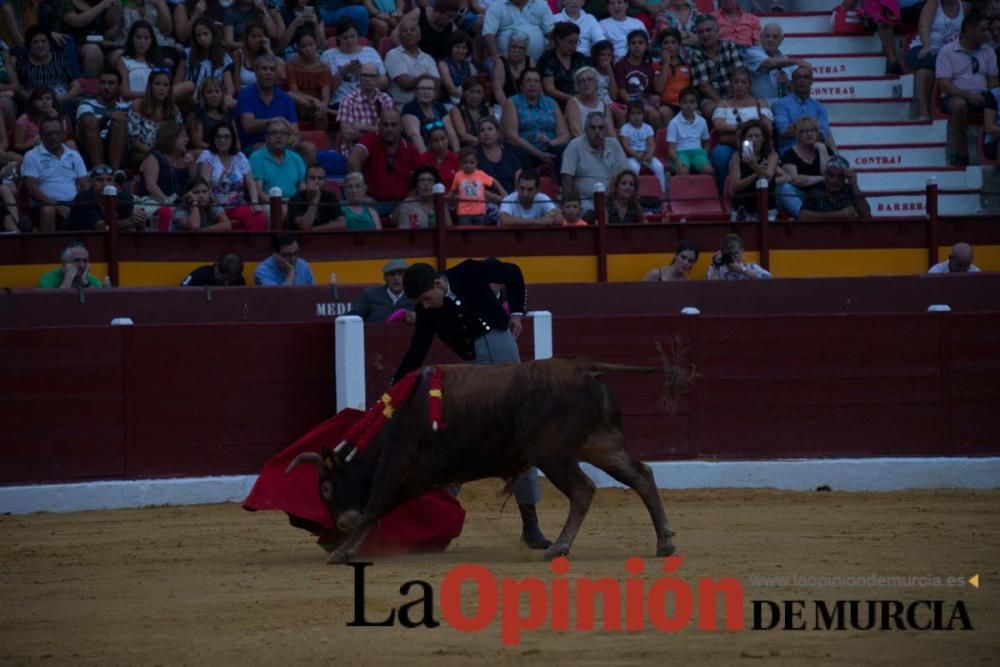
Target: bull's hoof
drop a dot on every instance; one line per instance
(556, 550)
(665, 549)
(339, 557)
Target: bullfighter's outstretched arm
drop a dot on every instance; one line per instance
(420, 344)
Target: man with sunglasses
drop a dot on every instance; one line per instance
(386, 160)
(87, 211)
(966, 69)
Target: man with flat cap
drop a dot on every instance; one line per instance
(460, 306)
(386, 302)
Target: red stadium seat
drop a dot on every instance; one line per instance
(318, 138)
(661, 147)
(384, 45)
(547, 185)
(649, 189)
(335, 187)
(694, 197)
(705, 6)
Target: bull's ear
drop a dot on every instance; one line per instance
(329, 458)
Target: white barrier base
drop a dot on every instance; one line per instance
(876, 474)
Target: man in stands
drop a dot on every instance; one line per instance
(526, 205)
(737, 26)
(87, 211)
(591, 159)
(796, 104)
(315, 207)
(966, 68)
(959, 261)
(839, 198)
(386, 161)
(712, 63)
(74, 272)
(100, 121)
(406, 62)
(258, 103)
(532, 18)
(227, 270)
(619, 25)
(284, 266)
(358, 112)
(273, 165)
(382, 302)
(53, 175)
(769, 67)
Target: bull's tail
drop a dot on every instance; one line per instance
(679, 372)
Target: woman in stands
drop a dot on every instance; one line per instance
(197, 212)
(679, 268)
(206, 59)
(41, 105)
(164, 174)
(496, 158)
(559, 65)
(533, 123)
(465, 115)
(728, 264)
(187, 13)
(239, 15)
(803, 164)
(156, 107)
(358, 214)
(440, 156)
(44, 66)
(940, 23)
(228, 173)
(457, 68)
(255, 43)
(507, 73)
(730, 115)
(425, 113)
(310, 82)
(623, 199)
(417, 210)
(345, 61)
(586, 101)
(141, 55)
(298, 15)
(209, 113)
(754, 161)
(679, 15)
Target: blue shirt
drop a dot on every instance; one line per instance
(268, 273)
(285, 175)
(249, 101)
(789, 109)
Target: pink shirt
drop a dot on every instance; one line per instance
(743, 30)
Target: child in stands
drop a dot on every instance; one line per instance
(471, 188)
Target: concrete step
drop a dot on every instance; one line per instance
(896, 87)
(860, 134)
(809, 23)
(825, 44)
(849, 65)
(908, 206)
(873, 110)
(915, 180)
(893, 157)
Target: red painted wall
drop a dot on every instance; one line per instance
(198, 399)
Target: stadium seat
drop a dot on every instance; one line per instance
(705, 6)
(694, 197)
(650, 190)
(975, 117)
(318, 138)
(547, 185)
(384, 45)
(661, 148)
(335, 187)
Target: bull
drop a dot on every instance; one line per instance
(501, 420)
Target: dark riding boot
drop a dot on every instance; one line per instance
(531, 534)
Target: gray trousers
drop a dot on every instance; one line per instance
(499, 347)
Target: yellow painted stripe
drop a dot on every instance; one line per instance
(27, 275)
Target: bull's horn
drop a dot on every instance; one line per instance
(306, 457)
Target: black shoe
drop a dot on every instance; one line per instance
(531, 534)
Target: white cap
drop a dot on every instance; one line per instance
(109, 191)
(438, 189)
(274, 192)
(122, 322)
(939, 308)
(690, 310)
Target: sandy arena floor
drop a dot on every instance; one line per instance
(217, 585)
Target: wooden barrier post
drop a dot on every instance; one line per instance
(763, 193)
(932, 221)
(277, 217)
(601, 211)
(440, 237)
(111, 220)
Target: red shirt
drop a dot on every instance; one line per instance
(388, 177)
(446, 169)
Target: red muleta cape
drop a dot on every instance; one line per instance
(425, 524)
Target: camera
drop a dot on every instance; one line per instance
(725, 259)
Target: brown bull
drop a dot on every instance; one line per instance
(501, 420)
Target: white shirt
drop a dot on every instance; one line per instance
(617, 32)
(943, 267)
(591, 31)
(56, 176)
(399, 62)
(541, 205)
(335, 59)
(636, 136)
(535, 20)
(687, 136)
